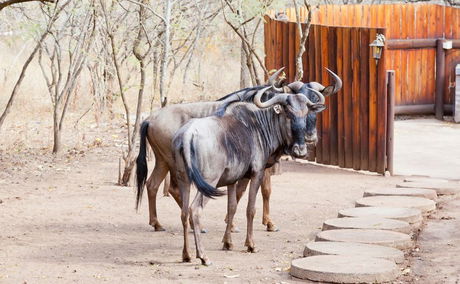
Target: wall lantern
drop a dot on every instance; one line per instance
(377, 47)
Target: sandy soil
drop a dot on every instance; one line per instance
(67, 222)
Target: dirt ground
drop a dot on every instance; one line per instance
(67, 222)
(64, 220)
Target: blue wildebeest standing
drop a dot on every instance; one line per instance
(219, 151)
(160, 127)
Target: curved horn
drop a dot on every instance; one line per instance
(278, 99)
(278, 89)
(338, 81)
(274, 76)
(295, 86)
(320, 96)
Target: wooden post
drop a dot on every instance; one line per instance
(456, 111)
(390, 119)
(440, 79)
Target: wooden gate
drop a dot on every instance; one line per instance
(353, 130)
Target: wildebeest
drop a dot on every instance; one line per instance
(160, 127)
(218, 151)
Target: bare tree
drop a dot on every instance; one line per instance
(63, 56)
(303, 33)
(140, 53)
(56, 11)
(6, 3)
(245, 21)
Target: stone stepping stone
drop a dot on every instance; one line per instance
(353, 249)
(374, 237)
(424, 204)
(367, 223)
(411, 215)
(415, 192)
(442, 188)
(424, 179)
(344, 269)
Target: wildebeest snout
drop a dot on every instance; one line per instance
(299, 151)
(311, 138)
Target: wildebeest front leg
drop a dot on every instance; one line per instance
(251, 209)
(195, 211)
(231, 209)
(266, 189)
(154, 181)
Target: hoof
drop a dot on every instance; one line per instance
(186, 259)
(252, 250)
(205, 261)
(272, 228)
(227, 246)
(235, 230)
(158, 227)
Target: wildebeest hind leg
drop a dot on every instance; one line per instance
(153, 183)
(185, 195)
(266, 189)
(195, 211)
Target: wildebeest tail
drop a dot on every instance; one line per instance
(141, 163)
(194, 174)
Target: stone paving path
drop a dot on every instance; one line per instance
(362, 245)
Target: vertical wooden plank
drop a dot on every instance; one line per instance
(347, 92)
(448, 22)
(402, 76)
(292, 50)
(309, 75)
(355, 98)
(424, 94)
(340, 98)
(285, 40)
(411, 56)
(382, 112)
(318, 64)
(325, 114)
(364, 97)
(333, 112)
(372, 108)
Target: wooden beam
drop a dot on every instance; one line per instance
(410, 43)
(420, 109)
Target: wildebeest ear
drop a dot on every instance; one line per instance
(278, 108)
(328, 91)
(317, 107)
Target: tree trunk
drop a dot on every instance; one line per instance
(56, 134)
(244, 71)
(20, 79)
(166, 50)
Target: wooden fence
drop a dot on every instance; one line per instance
(352, 130)
(414, 65)
(355, 131)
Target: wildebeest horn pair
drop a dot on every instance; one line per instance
(281, 98)
(326, 91)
